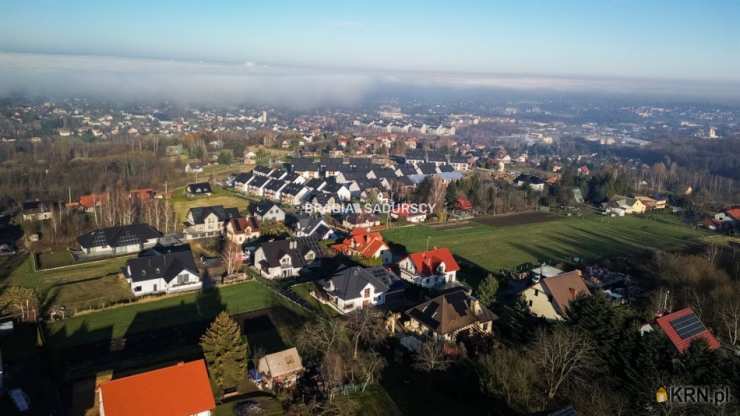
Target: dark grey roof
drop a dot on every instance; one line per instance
(348, 283)
(199, 188)
(275, 185)
(304, 165)
(416, 154)
(118, 236)
(165, 266)
(223, 214)
(315, 183)
(278, 173)
(290, 177)
(387, 173)
(243, 177)
(292, 189)
(275, 250)
(408, 169)
(436, 157)
(446, 168)
(261, 170)
(259, 181)
(428, 168)
(261, 208)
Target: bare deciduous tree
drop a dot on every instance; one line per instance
(562, 355)
(431, 356)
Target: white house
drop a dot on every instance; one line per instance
(286, 258)
(163, 273)
(119, 240)
(205, 222)
(429, 268)
(268, 211)
(356, 287)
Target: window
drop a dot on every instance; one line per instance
(348, 306)
(530, 303)
(367, 293)
(137, 288)
(536, 292)
(182, 279)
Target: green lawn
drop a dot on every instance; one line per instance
(304, 291)
(219, 197)
(589, 237)
(51, 259)
(77, 287)
(171, 311)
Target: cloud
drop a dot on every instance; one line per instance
(139, 80)
(184, 82)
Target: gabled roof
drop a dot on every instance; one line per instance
(199, 188)
(293, 189)
(427, 262)
(564, 288)
(683, 327)
(362, 242)
(275, 185)
(181, 389)
(262, 170)
(199, 214)
(92, 200)
(450, 312)
(258, 181)
(243, 177)
(276, 250)
(281, 363)
(165, 266)
(240, 225)
(263, 207)
(734, 213)
(348, 283)
(305, 165)
(118, 236)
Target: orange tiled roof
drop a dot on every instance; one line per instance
(89, 201)
(426, 262)
(361, 241)
(182, 389)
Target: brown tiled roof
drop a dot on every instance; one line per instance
(449, 312)
(565, 288)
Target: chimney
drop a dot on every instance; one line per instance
(476, 306)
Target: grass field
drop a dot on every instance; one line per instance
(171, 311)
(77, 287)
(219, 197)
(591, 237)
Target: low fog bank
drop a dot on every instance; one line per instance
(137, 80)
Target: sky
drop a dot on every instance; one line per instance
(550, 40)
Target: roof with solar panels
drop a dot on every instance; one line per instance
(683, 327)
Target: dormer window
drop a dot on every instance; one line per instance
(441, 268)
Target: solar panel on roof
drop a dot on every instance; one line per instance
(687, 326)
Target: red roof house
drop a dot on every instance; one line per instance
(430, 268)
(142, 195)
(463, 204)
(683, 327)
(363, 243)
(181, 389)
(92, 200)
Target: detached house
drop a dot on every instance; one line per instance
(268, 211)
(445, 317)
(198, 189)
(239, 230)
(180, 389)
(286, 258)
(356, 288)
(364, 243)
(313, 226)
(204, 222)
(684, 327)
(36, 211)
(163, 273)
(430, 268)
(125, 239)
(550, 297)
(91, 201)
